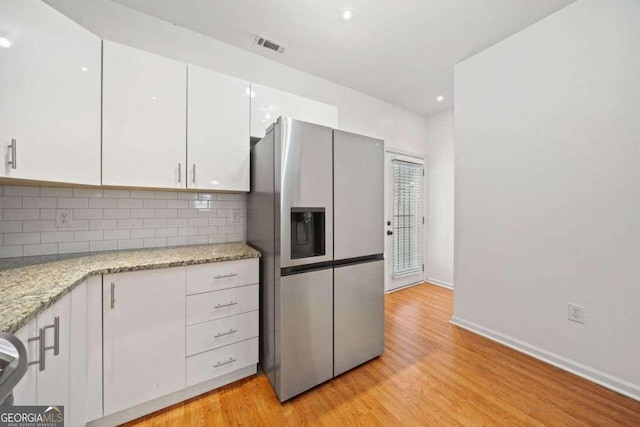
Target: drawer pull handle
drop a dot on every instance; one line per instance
(223, 276)
(40, 338)
(229, 332)
(229, 304)
(231, 360)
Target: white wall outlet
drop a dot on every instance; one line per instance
(235, 216)
(64, 218)
(576, 313)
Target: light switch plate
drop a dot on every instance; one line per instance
(235, 216)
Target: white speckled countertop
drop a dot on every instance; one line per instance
(30, 285)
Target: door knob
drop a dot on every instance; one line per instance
(389, 232)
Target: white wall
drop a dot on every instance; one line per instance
(440, 184)
(548, 190)
(357, 112)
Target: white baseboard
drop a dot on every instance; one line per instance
(440, 283)
(616, 384)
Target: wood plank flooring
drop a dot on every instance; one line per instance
(432, 373)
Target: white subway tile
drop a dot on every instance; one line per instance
(1, 190)
(74, 247)
(166, 195)
(87, 213)
(42, 249)
(166, 232)
(177, 241)
(103, 224)
(230, 196)
(117, 234)
(56, 236)
(207, 213)
(235, 238)
(10, 226)
(130, 244)
(143, 233)
(155, 223)
(157, 242)
(207, 230)
(47, 214)
(85, 236)
(143, 213)
(77, 224)
(218, 238)
(21, 238)
(198, 222)
(56, 192)
(103, 203)
(206, 196)
(72, 203)
(13, 202)
(108, 245)
(116, 213)
(240, 229)
(38, 226)
(130, 203)
(40, 202)
(187, 213)
(187, 196)
(10, 251)
(155, 204)
(217, 204)
(179, 204)
(130, 223)
(226, 229)
(198, 240)
(166, 213)
(217, 221)
(116, 194)
(226, 213)
(199, 204)
(21, 190)
(235, 205)
(87, 192)
(20, 214)
(142, 194)
(177, 222)
(188, 231)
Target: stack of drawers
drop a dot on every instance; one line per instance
(222, 318)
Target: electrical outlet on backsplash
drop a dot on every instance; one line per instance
(60, 220)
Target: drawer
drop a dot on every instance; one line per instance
(221, 275)
(205, 366)
(217, 333)
(219, 304)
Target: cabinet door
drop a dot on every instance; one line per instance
(267, 104)
(144, 119)
(50, 92)
(85, 396)
(144, 336)
(25, 393)
(53, 381)
(218, 131)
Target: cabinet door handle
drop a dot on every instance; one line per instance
(222, 276)
(113, 295)
(56, 336)
(41, 350)
(231, 360)
(225, 305)
(179, 172)
(222, 334)
(14, 154)
(193, 177)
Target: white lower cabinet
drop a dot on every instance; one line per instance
(144, 336)
(25, 393)
(205, 366)
(219, 304)
(218, 333)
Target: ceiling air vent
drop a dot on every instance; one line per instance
(269, 44)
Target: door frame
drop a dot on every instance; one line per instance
(414, 158)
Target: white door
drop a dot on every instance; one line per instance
(267, 104)
(144, 336)
(404, 220)
(26, 392)
(50, 70)
(53, 381)
(144, 119)
(219, 110)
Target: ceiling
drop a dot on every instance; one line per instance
(402, 51)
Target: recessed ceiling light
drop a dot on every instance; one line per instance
(4, 42)
(348, 14)
(440, 98)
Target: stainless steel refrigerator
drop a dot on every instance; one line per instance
(316, 212)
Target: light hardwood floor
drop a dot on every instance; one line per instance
(432, 373)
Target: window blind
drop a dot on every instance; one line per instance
(407, 218)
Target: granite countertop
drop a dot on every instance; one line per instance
(30, 285)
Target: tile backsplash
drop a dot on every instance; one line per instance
(108, 219)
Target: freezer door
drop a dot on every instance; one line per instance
(306, 334)
(358, 314)
(304, 153)
(358, 170)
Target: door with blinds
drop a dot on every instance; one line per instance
(404, 221)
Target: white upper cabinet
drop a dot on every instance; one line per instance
(218, 137)
(144, 119)
(49, 95)
(268, 104)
